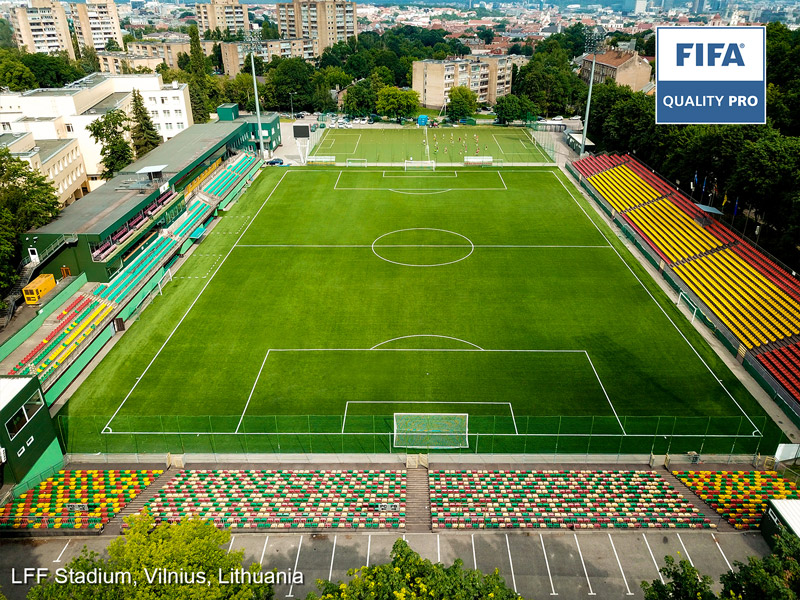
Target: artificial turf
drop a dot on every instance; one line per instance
(443, 145)
(326, 299)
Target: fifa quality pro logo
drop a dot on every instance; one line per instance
(711, 75)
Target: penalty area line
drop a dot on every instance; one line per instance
(255, 383)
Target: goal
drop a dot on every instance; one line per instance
(356, 162)
(431, 430)
(316, 159)
(420, 165)
(478, 161)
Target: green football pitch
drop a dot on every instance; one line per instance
(443, 145)
(328, 300)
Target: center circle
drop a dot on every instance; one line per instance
(423, 236)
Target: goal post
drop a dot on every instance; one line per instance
(420, 165)
(356, 162)
(431, 430)
(478, 161)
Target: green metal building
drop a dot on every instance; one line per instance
(106, 229)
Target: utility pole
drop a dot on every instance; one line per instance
(593, 38)
(253, 43)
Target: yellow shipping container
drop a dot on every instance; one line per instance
(38, 288)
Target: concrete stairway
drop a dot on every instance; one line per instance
(114, 526)
(418, 501)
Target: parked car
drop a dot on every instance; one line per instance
(370, 121)
(275, 162)
(575, 118)
(558, 118)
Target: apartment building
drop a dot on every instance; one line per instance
(222, 14)
(626, 68)
(42, 26)
(329, 21)
(96, 23)
(489, 77)
(165, 50)
(63, 113)
(233, 53)
(124, 63)
(60, 161)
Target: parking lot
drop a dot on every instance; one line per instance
(570, 565)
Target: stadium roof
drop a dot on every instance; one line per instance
(709, 209)
(122, 195)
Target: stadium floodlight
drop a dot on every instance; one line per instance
(593, 37)
(253, 43)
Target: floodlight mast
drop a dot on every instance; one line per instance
(593, 37)
(253, 43)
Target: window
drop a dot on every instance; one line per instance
(152, 99)
(179, 125)
(163, 99)
(176, 99)
(158, 126)
(166, 112)
(178, 112)
(20, 418)
(154, 113)
(169, 126)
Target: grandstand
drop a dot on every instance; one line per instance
(739, 496)
(753, 298)
(79, 499)
(469, 499)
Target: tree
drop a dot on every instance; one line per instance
(89, 62)
(15, 75)
(127, 39)
(269, 30)
(292, 81)
(486, 34)
(52, 71)
(394, 102)
(198, 97)
(198, 65)
(463, 103)
(409, 576)
(144, 136)
(183, 61)
(775, 576)
(507, 108)
(198, 86)
(109, 131)
(112, 45)
(359, 99)
(192, 547)
(6, 35)
(682, 582)
(216, 57)
(258, 65)
(27, 200)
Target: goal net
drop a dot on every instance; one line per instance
(431, 430)
(356, 162)
(420, 165)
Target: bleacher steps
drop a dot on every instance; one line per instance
(418, 501)
(693, 499)
(114, 526)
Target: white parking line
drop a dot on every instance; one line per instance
(474, 560)
(333, 553)
(369, 545)
(585, 572)
(58, 560)
(547, 564)
(233, 537)
(685, 551)
(621, 572)
(716, 541)
(644, 537)
(438, 550)
(296, 560)
(511, 563)
(263, 550)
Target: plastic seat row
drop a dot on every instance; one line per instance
(131, 275)
(283, 499)
(784, 364)
(229, 175)
(589, 165)
(56, 502)
(739, 496)
(465, 499)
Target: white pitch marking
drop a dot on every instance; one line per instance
(430, 335)
(107, 428)
(511, 563)
(547, 564)
(657, 304)
(296, 560)
(503, 180)
(58, 560)
(335, 185)
(589, 358)
(503, 246)
(585, 572)
(264, 549)
(255, 383)
(653, 557)
(619, 564)
(716, 541)
(333, 553)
